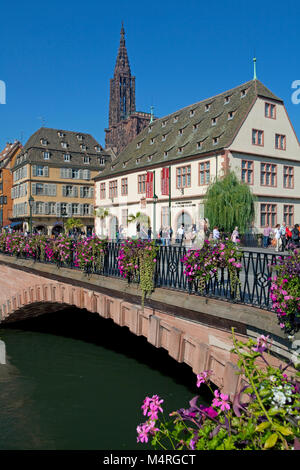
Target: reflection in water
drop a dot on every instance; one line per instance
(76, 381)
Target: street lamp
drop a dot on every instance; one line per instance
(30, 201)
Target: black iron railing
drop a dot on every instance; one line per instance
(253, 287)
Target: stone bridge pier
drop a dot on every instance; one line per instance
(193, 329)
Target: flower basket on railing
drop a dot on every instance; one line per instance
(137, 262)
(285, 292)
(204, 264)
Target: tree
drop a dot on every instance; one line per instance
(139, 219)
(229, 203)
(73, 223)
(102, 213)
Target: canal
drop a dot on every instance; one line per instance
(73, 380)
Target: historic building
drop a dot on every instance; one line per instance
(165, 171)
(7, 161)
(53, 180)
(125, 123)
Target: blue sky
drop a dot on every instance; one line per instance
(57, 58)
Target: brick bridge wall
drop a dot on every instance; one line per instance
(192, 329)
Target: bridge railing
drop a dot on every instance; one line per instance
(253, 287)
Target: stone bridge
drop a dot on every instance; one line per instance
(193, 329)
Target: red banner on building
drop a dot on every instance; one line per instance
(165, 181)
(149, 184)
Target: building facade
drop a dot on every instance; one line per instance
(125, 123)
(7, 161)
(245, 129)
(53, 180)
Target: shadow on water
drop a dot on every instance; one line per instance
(79, 324)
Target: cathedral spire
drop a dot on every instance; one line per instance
(122, 86)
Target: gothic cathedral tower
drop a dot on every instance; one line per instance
(125, 122)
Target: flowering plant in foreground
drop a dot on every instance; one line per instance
(137, 261)
(89, 253)
(201, 265)
(285, 291)
(264, 414)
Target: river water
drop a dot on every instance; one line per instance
(73, 380)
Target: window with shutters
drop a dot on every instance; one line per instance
(39, 170)
(86, 209)
(39, 188)
(75, 209)
(51, 208)
(75, 173)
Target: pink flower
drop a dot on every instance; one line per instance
(223, 403)
(202, 378)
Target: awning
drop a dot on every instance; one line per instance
(13, 224)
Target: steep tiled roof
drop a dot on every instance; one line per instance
(50, 140)
(203, 127)
(8, 152)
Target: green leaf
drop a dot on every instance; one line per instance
(262, 426)
(271, 441)
(283, 430)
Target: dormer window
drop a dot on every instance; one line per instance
(86, 159)
(180, 149)
(64, 145)
(207, 106)
(227, 99)
(67, 157)
(192, 112)
(214, 121)
(150, 158)
(165, 154)
(60, 134)
(164, 123)
(150, 129)
(124, 164)
(98, 148)
(215, 140)
(230, 115)
(138, 145)
(44, 141)
(164, 137)
(195, 127)
(180, 132)
(175, 119)
(46, 155)
(199, 145)
(137, 161)
(83, 147)
(243, 93)
(152, 141)
(101, 161)
(79, 137)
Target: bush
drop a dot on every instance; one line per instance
(263, 415)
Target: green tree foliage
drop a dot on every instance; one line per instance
(229, 203)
